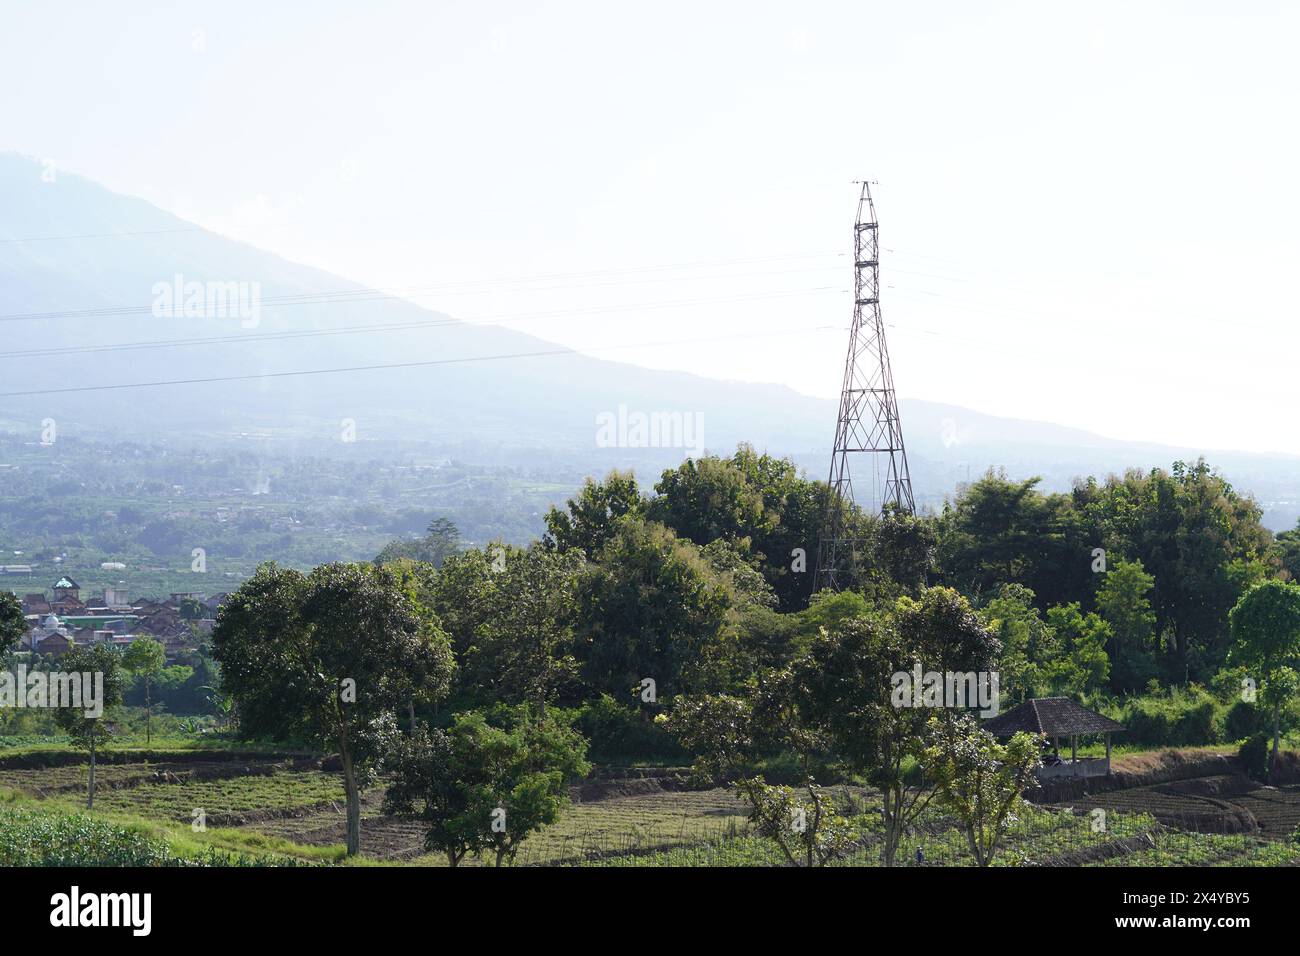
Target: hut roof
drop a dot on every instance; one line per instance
(1053, 716)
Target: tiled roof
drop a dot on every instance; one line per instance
(1053, 716)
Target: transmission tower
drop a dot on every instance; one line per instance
(868, 421)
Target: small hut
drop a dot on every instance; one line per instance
(1057, 717)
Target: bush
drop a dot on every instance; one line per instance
(1254, 756)
(1242, 721)
(32, 838)
(619, 732)
(1181, 718)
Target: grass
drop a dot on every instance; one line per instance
(279, 810)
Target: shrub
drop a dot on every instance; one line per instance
(620, 732)
(42, 838)
(1184, 717)
(1254, 756)
(1241, 721)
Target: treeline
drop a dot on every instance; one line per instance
(692, 603)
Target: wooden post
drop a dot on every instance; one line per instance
(1108, 753)
(1074, 748)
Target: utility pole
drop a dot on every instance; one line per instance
(868, 424)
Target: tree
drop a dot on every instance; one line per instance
(328, 658)
(1029, 645)
(192, 609)
(441, 540)
(756, 499)
(1122, 602)
(145, 658)
(1082, 665)
(485, 788)
(650, 606)
(1288, 551)
(979, 780)
(729, 734)
(845, 684)
(1200, 540)
(590, 518)
(91, 733)
(510, 616)
(528, 636)
(1266, 629)
(12, 623)
(426, 785)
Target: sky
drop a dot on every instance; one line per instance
(1087, 212)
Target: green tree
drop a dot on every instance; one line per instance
(527, 637)
(730, 734)
(757, 501)
(90, 732)
(1201, 541)
(427, 774)
(979, 780)
(484, 788)
(1266, 628)
(12, 623)
(589, 520)
(1123, 604)
(145, 658)
(1029, 645)
(440, 541)
(1287, 547)
(192, 609)
(328, 658)
(1083, 665)
(650, 606)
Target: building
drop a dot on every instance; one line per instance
(67, 597)
(1054, 718)
(54, 644)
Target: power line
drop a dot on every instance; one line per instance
(397, 365)
(401, 326)
(452, 288)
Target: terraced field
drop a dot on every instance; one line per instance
(296, 806)
(1221, 804)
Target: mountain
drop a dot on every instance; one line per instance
(541, 400)
(70, 298)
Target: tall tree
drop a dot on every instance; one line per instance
(1123, 603)
(440, 541)
(651, 607)
(1029, 645)
(328, 658)
(12, 623)
(845, 684)
(1266, 628)
(145, 658)
(90, 732)
(588, 520)
(1082, 665)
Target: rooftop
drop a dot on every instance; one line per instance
(1052, 716)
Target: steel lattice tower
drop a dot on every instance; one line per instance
(868, 421)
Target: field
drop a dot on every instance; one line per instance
(290, 809)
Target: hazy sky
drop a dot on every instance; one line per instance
(1090, 212)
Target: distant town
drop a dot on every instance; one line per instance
(62, 618)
